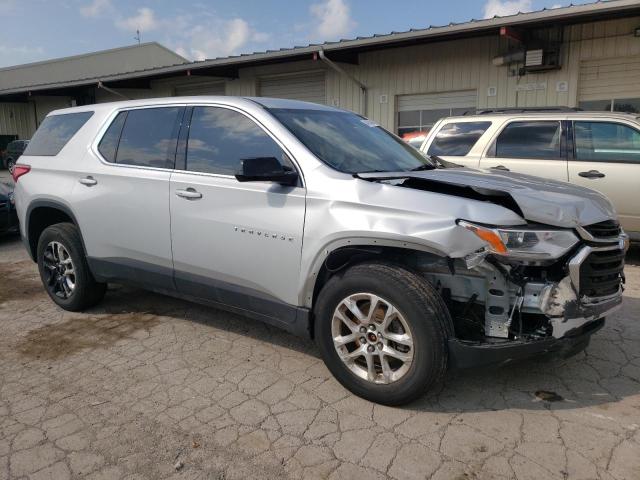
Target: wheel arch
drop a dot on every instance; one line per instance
(42, 214)
(351, 250)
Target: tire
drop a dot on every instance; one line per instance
(421, 313)
(86, 292)
(10, 163)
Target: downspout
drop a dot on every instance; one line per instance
(342, 71)
(111, 90)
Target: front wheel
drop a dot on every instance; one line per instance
(382, 331)
(64, 270)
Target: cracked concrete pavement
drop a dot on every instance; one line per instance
(145, 387)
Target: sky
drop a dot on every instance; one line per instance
(34, 30)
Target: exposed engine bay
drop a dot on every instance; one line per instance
(532, 282)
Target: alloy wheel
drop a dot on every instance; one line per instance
(372, 338)
(60, 274)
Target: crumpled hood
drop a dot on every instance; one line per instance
(540, 200)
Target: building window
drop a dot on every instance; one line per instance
(628, 105)
(420, 112)
(422, 120)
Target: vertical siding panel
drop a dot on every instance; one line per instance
(598, 43)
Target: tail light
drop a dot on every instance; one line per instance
(19, 170)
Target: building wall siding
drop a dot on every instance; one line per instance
(17, 119)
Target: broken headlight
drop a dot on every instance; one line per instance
(521, 243)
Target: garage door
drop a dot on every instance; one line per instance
(308, 87)
(610, 84)
(206, 88)
(421, 112)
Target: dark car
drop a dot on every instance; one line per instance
(13, 152)
(8, 216)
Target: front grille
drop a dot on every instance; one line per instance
(601, 273)
(607, 229)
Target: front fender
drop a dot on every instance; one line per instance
(311, 266)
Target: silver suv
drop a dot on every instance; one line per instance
(318, 221)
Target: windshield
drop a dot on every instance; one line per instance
(350, 143)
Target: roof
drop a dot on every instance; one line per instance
(200, 99)
(599, 10)
(548, 114)
(76, 67)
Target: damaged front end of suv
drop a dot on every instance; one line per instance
(541, 287)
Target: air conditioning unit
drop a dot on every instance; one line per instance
(539, 60)
(534, 58)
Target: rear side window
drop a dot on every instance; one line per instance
(148, 138)
(530, 140)
(607, 142)
(54, 133)
(109, 144)
(457, 139)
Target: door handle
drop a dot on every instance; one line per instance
(501, 167)
(189, 194)
(88, 181)
(592, 174)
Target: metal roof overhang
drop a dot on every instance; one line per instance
(342, 51)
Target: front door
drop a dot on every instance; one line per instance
(534, 147)
(607, 159)
(237, 244)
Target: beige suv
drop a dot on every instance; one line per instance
(599, 150)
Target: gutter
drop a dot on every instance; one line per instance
(341, 71)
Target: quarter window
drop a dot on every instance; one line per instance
(530, 140)
(109, 144)
(457, 139)
(219, 138)
(54, 133)
(607, 141)
(148, 137)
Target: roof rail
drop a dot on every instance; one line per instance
(488, 111)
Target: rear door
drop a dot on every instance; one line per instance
(606, 157)
(531, 146)
(121, 197)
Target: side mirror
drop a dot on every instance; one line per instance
(265, 169)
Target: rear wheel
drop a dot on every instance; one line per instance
(64, 270)
(381, 330)
(11, 163)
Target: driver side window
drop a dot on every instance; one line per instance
(219, 138)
